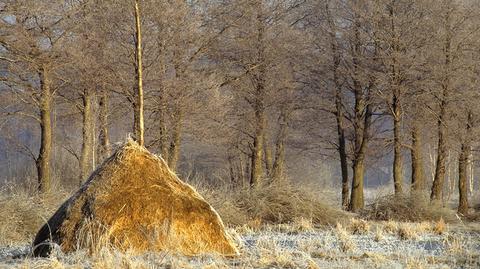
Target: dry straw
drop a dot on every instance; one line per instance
(133, 201)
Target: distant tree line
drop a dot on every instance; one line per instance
(252, 84)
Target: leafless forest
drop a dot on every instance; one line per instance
(354, 98)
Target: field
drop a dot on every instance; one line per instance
(380, 245)
(341, 240)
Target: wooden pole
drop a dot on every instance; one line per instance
(141, 129)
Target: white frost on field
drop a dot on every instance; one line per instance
(274, 249)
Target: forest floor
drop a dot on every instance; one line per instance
(356, 244)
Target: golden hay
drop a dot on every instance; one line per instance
(141, 205)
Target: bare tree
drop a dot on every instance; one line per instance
(33, 39)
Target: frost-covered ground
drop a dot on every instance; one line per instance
(378, 245)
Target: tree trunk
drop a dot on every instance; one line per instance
(139, 122)
(418, 173)
(362, 114)
(231, 168)
(397, 146)
(396, 108)
(86, 158)
(163, 132)
(357, 199)
(259, 102)
(45, 153)
(103, 150)
(463, 163)
(268, 155)
(438, 181)
(257, 151)
(241, 170)
(440, 168)
(278, 172)
(362, 139)
(471, 175)
(342, 151)
(174, 151)
(339, 116)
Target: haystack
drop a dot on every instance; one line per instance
(133, 201)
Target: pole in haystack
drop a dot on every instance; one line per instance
(139, 125)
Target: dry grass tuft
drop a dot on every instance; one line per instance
(415, 208)
(415, 263)
(424, 227)
(303, 225)
(344, 238)
(272, 256)
(378, 237)
(359, 226)
(440, 227)
(454, 245)
(390, 227)
(23, 211)
(273, 204)
(407, 231)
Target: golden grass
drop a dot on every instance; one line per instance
(378, 236)
(440, 227)
(414, 208)
(407, 231)
(359, 226)
(23, 211)
(390, 227)
(345, 239)
(273, 204)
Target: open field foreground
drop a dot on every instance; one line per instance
(357, 244)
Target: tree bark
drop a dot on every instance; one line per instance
(163, 132)
(440, 168)
(362, 119)
(44, 158)
(463, 163)
(397, 147)
(339, 115)
(139, 121)
(259, 103)
(361, 144)
(242, 170)
(174, 151)
(231, 168)
(86, 157)
(257, 151)
(268, 154)
(357, 198)
(438, 181)
(418, 172)
(278, 172)
(103, 150)
(342, 152)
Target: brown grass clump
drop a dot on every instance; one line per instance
(424, 227)
(133, 201)
(415, 208)
(359, 226)
(344, 238)
(273, 204)
(23, 211)
(390, 227)
(440, 227)
(407, 232)
(378, 234)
